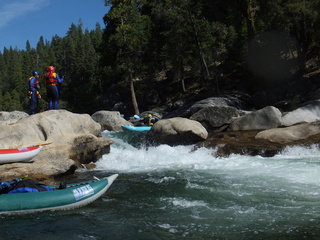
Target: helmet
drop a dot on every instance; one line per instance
(35, 73)
(51, 68)
(149, 115)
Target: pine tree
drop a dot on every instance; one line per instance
(127, 35)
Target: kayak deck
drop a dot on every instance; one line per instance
(18, 150)
(136, 128)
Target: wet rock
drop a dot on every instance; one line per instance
(266, 118)
(177, 131)
(290, 134)
(310, 112)
(240, 142)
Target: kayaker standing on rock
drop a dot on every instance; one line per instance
(33, 93)
(52, 80)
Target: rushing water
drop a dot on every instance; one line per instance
(181, 193)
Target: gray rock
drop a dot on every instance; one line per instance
(110, 120)
(266, 118)
(308, 113)
(177, 131)
(88, 148)
(12, 117)
(213, 118)
(185, 108)
(290, 134)
(65, 131)
(209, 102)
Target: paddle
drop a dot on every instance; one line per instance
(44, 144)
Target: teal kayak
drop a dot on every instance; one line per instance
(136, 128)
(73, 196)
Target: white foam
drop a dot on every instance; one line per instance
(295, 165)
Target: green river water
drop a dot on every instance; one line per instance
(181, 193)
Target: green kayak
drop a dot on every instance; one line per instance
(73, 196)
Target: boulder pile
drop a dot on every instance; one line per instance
(69, 140)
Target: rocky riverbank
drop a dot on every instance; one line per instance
(75, 139)
(246, 143)
(262, 132)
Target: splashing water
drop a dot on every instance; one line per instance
(295, 164)
(187, 193)
(251, 196)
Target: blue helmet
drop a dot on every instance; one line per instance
(35, 73)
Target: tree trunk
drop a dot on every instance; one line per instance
(251, 11)
(302, 39)
(203, 63)
(248, 10)
(183, 85)
(133, 95)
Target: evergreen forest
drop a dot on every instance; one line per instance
(152, 52)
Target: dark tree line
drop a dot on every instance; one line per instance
(75, 56)
(188, 44)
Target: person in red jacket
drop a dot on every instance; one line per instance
(52, 80)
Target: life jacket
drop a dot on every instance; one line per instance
(51, 78)
(150, 121)
(35, 84)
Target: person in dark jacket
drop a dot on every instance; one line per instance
(33, 92)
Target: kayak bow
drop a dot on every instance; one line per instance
(73, 196)
(18, 154)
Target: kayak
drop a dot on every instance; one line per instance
(18, 154)
(73, 196)
(136, 128)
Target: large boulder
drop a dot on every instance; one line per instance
(208, 102)
(74, 139)
(186, 108)
(290, 134)
(216, 118)
(266, 118)
(234, 99)
(87, 148)
(59, 126)
(310, 112)
(12, 117)
(110, 120)
(177, 131)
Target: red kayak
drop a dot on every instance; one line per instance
(18, 154)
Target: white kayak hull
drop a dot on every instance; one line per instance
(18, 154)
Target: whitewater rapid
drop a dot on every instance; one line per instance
(294, 164)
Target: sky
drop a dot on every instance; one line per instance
(23, 20)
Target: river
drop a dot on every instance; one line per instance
(186, 193)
